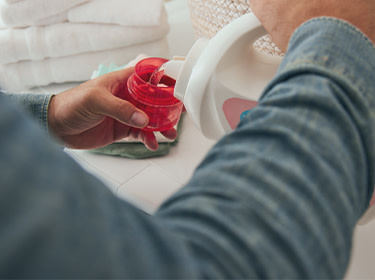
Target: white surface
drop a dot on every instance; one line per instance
(149, 182)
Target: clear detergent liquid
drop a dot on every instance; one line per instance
(158, 75)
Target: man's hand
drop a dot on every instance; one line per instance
(92, 115)
(282, 17)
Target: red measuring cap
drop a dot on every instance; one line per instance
(156, 100)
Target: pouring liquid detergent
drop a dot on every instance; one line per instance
(218, 82)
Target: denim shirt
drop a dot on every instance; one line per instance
(278, 197)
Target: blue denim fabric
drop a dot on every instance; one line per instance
(277, 198)
(35, 104)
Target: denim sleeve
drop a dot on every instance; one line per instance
(35, 104)
(278, 198)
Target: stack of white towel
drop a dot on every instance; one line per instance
(56, 41)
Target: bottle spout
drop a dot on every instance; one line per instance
(170, 69)
(173, 67)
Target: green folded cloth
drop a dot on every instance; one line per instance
(137, 150)
(133, 150)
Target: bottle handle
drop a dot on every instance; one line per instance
(198, 73)
(241, 31)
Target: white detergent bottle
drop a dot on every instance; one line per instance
(221, 79)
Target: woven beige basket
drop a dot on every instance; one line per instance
(209, 16)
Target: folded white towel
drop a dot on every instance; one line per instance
(62, 17)
(27, 74)
(65, 39)
(30, 12)
(123, 12)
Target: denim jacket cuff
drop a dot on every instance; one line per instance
(36, 104)
(336, 49)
